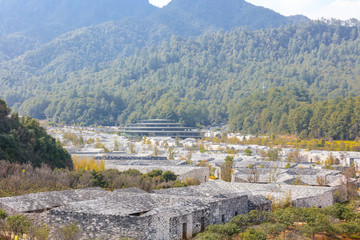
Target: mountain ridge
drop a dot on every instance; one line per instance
(194, 80)
(33, 23)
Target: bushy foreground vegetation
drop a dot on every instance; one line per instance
(340, 220)
(23, 140)
(25, 228)
(18, 179)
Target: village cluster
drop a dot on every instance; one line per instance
(255, 182)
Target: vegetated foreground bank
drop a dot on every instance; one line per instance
(341, 221)
(19, 179)
(23, 140)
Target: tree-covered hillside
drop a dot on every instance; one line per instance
(292, 110)
(23, 140)
(196, 81)
(225, 14)
(27, 25)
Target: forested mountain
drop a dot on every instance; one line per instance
(225, 14)
(27, 25)
(23, 140)
(196, 81)
(59, 16)
(292, 110)
(189, 61)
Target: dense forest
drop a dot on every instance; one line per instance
(176, 63)
(28, 25)
(195, 81)
(291, 110)
(23, 140)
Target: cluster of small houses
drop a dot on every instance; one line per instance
(163, 214)
(180, 213)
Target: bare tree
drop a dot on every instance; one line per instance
(253, 175)
(273, 174)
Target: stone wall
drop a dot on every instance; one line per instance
(225, 209)
(322, 200)
(37, 216)
(199, 173)
(182, 172)
(173, 222)
(260, 203)
(95, 226)
(189, 224)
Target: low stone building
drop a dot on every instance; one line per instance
(300, 196)
(161, 215)
(141, 215)
(292, 175)
(183, 172)
(37, 205)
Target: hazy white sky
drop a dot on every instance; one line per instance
(315, 9)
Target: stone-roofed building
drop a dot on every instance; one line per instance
(211, 189)
(35, 203)
(263, 175)
(302, 196)
(183, 172)
(163, 214)
(146, 162)
(129, 157)
(285, 173)
(141, 215)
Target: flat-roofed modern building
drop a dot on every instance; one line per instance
(160, 128)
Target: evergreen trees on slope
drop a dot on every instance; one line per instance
(23, 140)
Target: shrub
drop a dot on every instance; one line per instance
(253, 234)
(18, 224)
(3, 214)
(68, 232)
(168, 176)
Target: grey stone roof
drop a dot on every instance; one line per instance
(130, 190)
(264, 164)
(48, 200)
(259, 200)
(203, 190)
(145, 162)
(276, 191)
(263, 174)
(120, 203)
(178, 170)
(136, 202)
(312, 171)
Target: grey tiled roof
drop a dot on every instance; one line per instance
(48, 200)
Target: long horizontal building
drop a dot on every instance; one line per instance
(160, 128)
